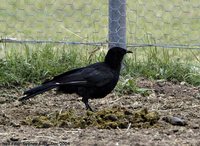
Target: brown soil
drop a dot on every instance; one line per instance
(166, 98)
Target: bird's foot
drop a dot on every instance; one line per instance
(89, 108)
(87, 104)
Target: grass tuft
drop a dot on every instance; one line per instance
(35, 65)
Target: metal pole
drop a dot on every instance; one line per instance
(117, 23)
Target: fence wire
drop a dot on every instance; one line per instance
(164, 23)
(194, 46)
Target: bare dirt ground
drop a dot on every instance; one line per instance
(168, 99)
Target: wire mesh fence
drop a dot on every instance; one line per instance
(172, 23)
(164, 23)
(77, 21)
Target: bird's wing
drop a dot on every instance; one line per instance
(67, 76)
(93, 75)
(98, 75)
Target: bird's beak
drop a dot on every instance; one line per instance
(129, 51)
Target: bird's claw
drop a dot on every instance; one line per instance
(88, 107)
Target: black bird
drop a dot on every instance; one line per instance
(93, 81)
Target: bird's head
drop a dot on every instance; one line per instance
(115, 56)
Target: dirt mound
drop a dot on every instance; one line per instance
(112, 118)
(119, 120)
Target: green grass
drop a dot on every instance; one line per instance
(32, 65)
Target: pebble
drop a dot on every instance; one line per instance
(175, 121)
(195, 126)
(14, 139)
(15, 124)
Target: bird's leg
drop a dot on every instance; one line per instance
(85, 101)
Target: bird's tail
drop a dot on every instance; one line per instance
(37, 90)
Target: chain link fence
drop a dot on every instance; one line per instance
(164, 23)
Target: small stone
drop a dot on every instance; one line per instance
(174, 121)
(160, 84)
(14, 139)
(195, 126)
(175, 130)
(111, 117)
(183, 83)
(175, 81)
(197, 96)
(15, 124)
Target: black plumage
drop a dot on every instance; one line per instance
(90, 82)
